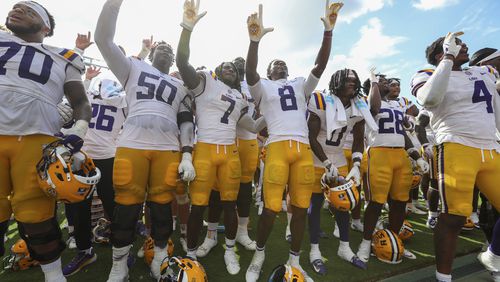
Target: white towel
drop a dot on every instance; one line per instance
(335, 115)
(361, 108)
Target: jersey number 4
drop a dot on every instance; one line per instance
(26, 61)
(156, 86)
(481, 94)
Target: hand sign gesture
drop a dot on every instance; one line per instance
(450, 45)
(83, 41)
(255, 26)
(331, 12)
(191, 16)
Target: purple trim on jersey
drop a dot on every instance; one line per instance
(441, 182)
(417, 87)
(369, 196)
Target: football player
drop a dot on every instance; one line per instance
(329, 155)
(148, 159)
(467, 153)
(289, 159)
(220, 107)
(34, 77)
(389, 168)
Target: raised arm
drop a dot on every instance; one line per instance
(189, 20)
(117, 62)
(256, 31)
(432, 92)
(374, 98)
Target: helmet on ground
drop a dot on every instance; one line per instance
(149, 249)
(342, 195)
(286, 273)
(69, 178)
(177, 269)
(406, 231)
(387, 246)
(19, 258)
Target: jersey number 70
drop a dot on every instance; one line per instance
(26, 62)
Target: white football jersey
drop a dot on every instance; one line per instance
(466, 114)
(154, 99)
(333, 147)
(428, 130)
(242, 133)
(283, 104)
(32, 78)
(390, 131)
(218, 110)
(107, 119)
(405, 103)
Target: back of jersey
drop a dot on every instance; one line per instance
(153, 101)
(218, 109)
(390, 131)
(31, 85)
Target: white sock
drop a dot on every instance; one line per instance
(314, 248)
(356, 221)
(230, 243)
(212, 230)
(183, 229)
(293, 259)
(160, 253)
(315, 253)
(243, 222)
(366, 242)
(71, 228)
(288, 218)
(53, 271)
(433, 214)
(443, 277)
(192, 253)
(121, 253)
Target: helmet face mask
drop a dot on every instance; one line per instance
(406, 231)
(19, 258)
(286, 273)
(342, 195)
(69, 178)
(177, 269)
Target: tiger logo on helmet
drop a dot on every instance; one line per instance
(69, 178)
(387, 246)
(342, 195)
(19, 258)
(149, 249)
(406, 231)
(286, 273)
(177, 269)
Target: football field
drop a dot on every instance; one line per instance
(421, 244)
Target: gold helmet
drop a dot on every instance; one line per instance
(342, 195)
(387, 246)
(69, 178)
(176, 269)
(19, 258)
(286, 273)
(149, 249)
(406, 231)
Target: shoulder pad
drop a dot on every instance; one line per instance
(427, 71)
(69, 56)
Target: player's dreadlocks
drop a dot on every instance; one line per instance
(432, 50)
(236, 84)
(338, 79)
(153, 49)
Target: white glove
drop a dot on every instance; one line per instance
(331, 13)
(450, 46)
(373, 76)
(330, 170)
(354, 174)
(191, 16)
(79, 129)
(422, 166)
(65, 111)
(186, 168)
(429, 153)
(255, 26)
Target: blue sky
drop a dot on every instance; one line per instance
(389, 34)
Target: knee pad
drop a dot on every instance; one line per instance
(161, 222)
(123, 224)
(172, 174)
(306, 174)
(276, 173)
(38, 236)
(122, 172)
(182, 199)
(202, 169)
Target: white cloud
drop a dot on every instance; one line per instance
(426, 5)
(357, 8)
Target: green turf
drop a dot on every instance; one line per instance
(276, 253)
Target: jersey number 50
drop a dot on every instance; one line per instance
(26, 62)
(155, 91)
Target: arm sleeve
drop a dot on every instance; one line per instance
(310, 85)
(432, 92)
(105, 31)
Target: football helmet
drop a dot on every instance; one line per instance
(406, 231)
(342, 195)
(387, 246)
(69, 178)
(102, 231)
(19, 258)
(177, 269)
(286, 273)
(149, 249)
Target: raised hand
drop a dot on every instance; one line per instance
(147, 43)
(450, 46)
(331, 12)
(373, 76)
(92, 72)
(83, 41)
(256, 28)
(191, 16)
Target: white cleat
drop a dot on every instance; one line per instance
(489, 260)
(232, 262)
(357, 226)
(119, 271)
(364, 252)
(246, 242)
(255, 267)
(412, 209)
(71, 242)
(409, 255)
(205, 248)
